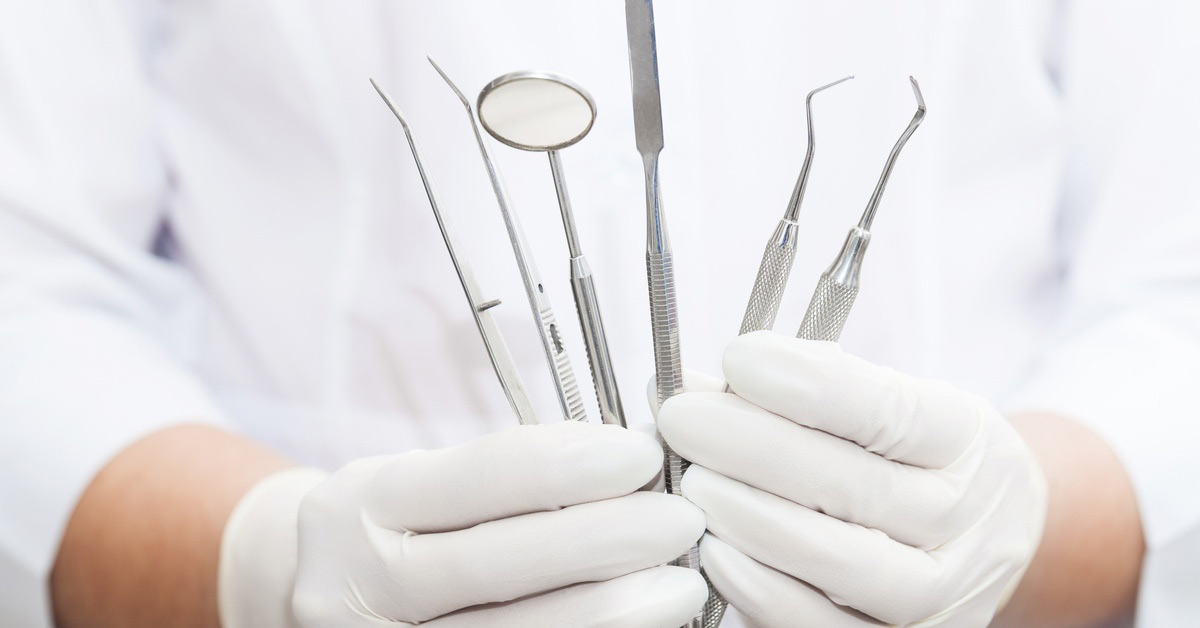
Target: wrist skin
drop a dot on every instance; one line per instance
(142, 547)
(1087, 568)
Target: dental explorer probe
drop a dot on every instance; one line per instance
(660, 271)
(556, 353)
(780, 251)
(502, 360)
(838, 285)
(543, 112)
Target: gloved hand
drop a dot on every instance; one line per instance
(535, 526)
(841, 493)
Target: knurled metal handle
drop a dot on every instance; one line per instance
(664, 321)
(769, 285)
(765, 296)
(564, 376)
(828, 310)
(714, 608)
(668, 368)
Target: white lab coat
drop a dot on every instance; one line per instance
(207, 215)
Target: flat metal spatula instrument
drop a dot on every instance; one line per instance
(660, 263)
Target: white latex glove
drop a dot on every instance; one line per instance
(841, 493)
(535, 526)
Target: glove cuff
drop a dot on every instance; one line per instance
(257, 567)
(1037, 527)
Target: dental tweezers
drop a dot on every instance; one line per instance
(502, 360)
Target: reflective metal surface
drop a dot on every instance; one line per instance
(493, 340)
(539, 111)
(556, 354)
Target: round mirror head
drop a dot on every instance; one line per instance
(536, 111)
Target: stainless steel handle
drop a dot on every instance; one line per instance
(588, 306)
(770, 283)
(564, 376)
(761, 310)
(836, 290)
(667, 364)
(664, 319)
(828, 310)
(771, 280)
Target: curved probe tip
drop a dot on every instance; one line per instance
(917, 92)
(869, 214)
(793, 208)
(827, 86)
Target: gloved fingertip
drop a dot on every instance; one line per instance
(649, 429)
(668, 417)
(674, 415)
(748, 348)
(693, 381)
(749, 356)
(689, 587)
(693, 481)
(692, 521)
(698, 381)
(609, 450)
(657, 597)
(673, 522)
(652, 395)
(710, 491)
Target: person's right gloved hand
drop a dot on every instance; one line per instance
(535, 526)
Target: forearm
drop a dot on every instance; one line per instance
(1087, 568)
(142, 546)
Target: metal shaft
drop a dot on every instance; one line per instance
(493, 340)
(838, 286)
(664, 324)
(869, 214)
(660, 266)
(539, 304)
(588, 307)
(780, 252)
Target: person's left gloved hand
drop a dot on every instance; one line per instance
(842, 493)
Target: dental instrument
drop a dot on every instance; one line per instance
(838, 286)
(556, 353)
(660, 263)
(493, 340)
(543, 112)
(780, 252)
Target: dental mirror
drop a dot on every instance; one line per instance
(542, 112)
(536, 111)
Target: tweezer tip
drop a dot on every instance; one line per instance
(454, 87)
(378, 89)
(387, 100)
